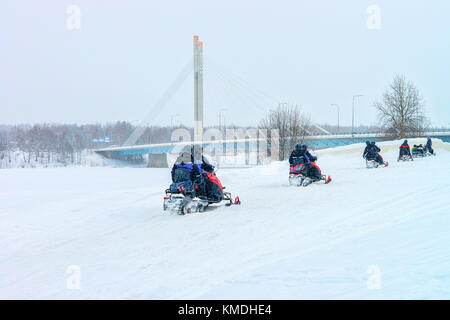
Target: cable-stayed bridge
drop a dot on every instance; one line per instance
(223, 86)
(156, 154)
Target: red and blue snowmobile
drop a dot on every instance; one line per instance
(303, 168)
(195, 185)
(372, 156)
(298, 176)
(187, 197)
(374, 163)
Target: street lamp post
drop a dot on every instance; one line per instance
(220, 118)
(220, 129)
(353, 113)
(337, 115)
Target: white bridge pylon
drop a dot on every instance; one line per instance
(198, 90)
(167, 96)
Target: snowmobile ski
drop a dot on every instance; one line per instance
(373, 164)
(405, 158)
(182, 204)
(302, 181)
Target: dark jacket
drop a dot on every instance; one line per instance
(204, 165)
(184, 171)
(301, 157)
(429, 143)
(371, 151)
(405, 150)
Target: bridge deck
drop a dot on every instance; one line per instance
(315, 142)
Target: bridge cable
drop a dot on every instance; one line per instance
(160, 103)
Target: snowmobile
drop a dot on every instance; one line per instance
(371, 163)
(187, 197)
(405, 157)
(419, 151)
(298, 176)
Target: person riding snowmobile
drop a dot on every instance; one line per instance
(371, 152)
(366, 149)
(194, 184)
(301, 156)
(200, 160)
(418, 150)
(207, 184)
(405, 150)
(428, 146)
(183, 168)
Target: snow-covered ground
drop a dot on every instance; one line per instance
(372, 233)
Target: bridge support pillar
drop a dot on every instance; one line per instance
(198, 90)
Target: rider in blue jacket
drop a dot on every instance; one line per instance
(301, 155)
(371, 152)
(183, 168)
(428, 146)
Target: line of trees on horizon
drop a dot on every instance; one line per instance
(65, 143)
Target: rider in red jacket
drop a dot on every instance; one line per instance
(404, 150)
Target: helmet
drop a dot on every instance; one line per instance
(367, 142)
(300, 147)
(372, 143)
(405, 142)
(429, 138)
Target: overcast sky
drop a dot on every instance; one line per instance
(257, 53)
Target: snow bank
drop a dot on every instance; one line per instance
(385, 146)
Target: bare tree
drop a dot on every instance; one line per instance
(401, 109)
(292, 125)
